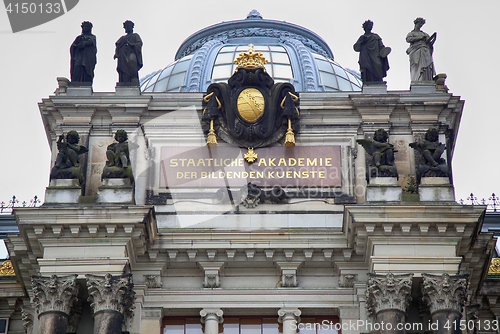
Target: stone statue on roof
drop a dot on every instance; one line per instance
(83, 53)
(420, 52)
(373, 54)
(129, 54)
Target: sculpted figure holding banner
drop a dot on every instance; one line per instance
(129, 54)
(373, 62)
(420, 52)
(83, 55)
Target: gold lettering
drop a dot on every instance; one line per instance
(292, 162)
(252, 175)
(328, 162)
(227, 163)
(201, 162)
(210, 162)
(260, 175)
(313, 172)
(173, 163)
(229, 175)
(182, 162)
(312, 162)
(194, 175)
(262, 162)
(321, 174)
(244, 175)
(270, 175)
(222, 175)
(240, 162)
(288, 174)
(203, 175)
(237, 175)
(305, 174)
(278, 175)
(301, 162)
(271, 162)
(234, 162)
(180, 175)
(282, 161)
(296, 175)
(191, 162)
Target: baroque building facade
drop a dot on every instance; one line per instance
(200, 239)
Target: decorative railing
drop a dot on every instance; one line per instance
(6, 208)
(492, 203)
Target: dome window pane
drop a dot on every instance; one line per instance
(269, 69)
(267, 55)
(282, 71)
(339, 71)
(161, 85)
(221, 71)
(282, 58)
(228, 49)
(225, 58)
(149, 89)
(328, 79)
(261, 48)
(181, 67)
(344, 84)
(166, 72)
(176, 80)
(242, 48)
(324, 66)
(276, 48)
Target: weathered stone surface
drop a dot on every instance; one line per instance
(108, 322)
(113, 293)
(444, 292)
(383, 193)
(54, 293)
(63, 191)
(388, 292)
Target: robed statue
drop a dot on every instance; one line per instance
(373, 62)
(83, 53)
(431, 163)
(118, 160)
(382, 154)
(420, 52)
(129, 54)
(68, 165)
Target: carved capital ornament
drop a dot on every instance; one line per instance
(444, 292)
(54, 293)
(388, 292)
(111, 293)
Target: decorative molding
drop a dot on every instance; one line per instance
(75, 316)
(54, 293)
(110, 292)
(198, 62)
(289, 313)
(444, 292)
(349, 312)
(207, 313)
(347, 280)
(306, 62)
(211, 271)
(388, 292)
(27, 318)
(151, 313)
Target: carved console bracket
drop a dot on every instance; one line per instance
(211, 271)
(288, 272)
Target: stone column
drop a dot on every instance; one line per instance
(387, 297)
(289, 317)
(54, 298)
(112, 301)
(211, 317)
(445, 295)
(349, 319)
(151, 320)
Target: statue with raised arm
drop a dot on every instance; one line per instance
(420, 52)
(382, 154)
(129, 54)
(67, 165)
(373, 62)
(118, 164)
(431, 164)
(83, 53)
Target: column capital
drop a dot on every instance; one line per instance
(444, 292)
(212, 313)
(112, 293)
(388, 292)
(289, 313)
(54, 293)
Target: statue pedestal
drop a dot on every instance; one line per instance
(63, 191)
(423, 87)
(436, 189)
(375, 87)
(116, 191)
(123, 89)
(74, 89)
(383, 189)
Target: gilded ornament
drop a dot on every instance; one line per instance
(251, 58)
(6, 269)
(250, 104)
(494, 266)
(250, 156)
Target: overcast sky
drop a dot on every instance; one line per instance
(467, 50)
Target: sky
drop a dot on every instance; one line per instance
(467, 49)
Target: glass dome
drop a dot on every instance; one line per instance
(294, 55)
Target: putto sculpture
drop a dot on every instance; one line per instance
(83, 53)
(431, 164)
(382, 154)
(118, 164)
(67, 165)
(420, 52)
(373, 62)
(129, 54)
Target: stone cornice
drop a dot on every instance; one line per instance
(54, 293)
(444, 292)
(388, 292)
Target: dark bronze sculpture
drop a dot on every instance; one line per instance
(373, 54)
(83, 55)
(431, 163)
(420, 52)
(118, 164)
(67, 165)
(129, 54)
(382, 154)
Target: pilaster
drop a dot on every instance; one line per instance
(211, 317)
(289, 317)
